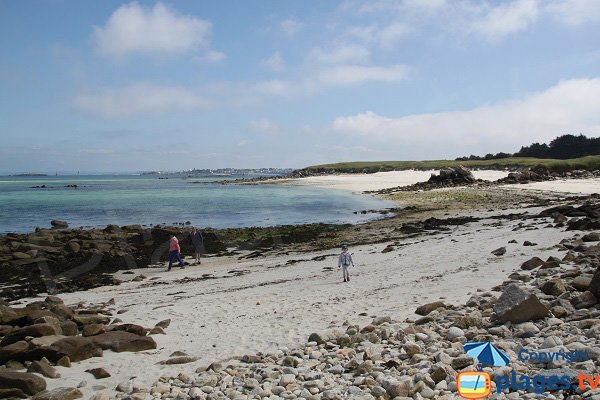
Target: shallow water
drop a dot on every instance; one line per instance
(123, 200)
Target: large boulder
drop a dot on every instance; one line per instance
(429, 307)
(532, 263)
(13, 351)
(595, 284)
(77, 348)
(123, 341)
(35, 330)
(28, 383)
(518, 305)
(59, 394)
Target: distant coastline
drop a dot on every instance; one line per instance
(29, 174)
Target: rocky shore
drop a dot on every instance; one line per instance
(550, 305)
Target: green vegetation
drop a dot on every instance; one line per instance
(589, 163)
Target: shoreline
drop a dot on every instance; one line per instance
(255, 301)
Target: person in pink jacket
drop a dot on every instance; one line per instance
(175, 252)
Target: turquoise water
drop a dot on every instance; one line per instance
(123, 200)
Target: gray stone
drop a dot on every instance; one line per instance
(518, 305)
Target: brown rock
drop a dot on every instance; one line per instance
(518, 305)
(35, 330)
(87, 319)
(123, 341)
(28, 383)
(584, 300)
(43, 368)
(93, 329)
(131, 328)
(427, 308)
(554, 287)
(499, 251)
(64, 362)
(581, 283)
(157, 330)
(532, 263)
(59, 394)
(595, 284)
(13, 350)
(69, 328)
(46, 340)
(77, 348)
(164, 324)
(99, 373)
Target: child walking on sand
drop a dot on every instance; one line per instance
(344, 262)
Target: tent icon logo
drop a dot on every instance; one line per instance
(487, 354)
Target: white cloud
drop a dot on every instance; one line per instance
(133, 29)
(212, 57)
(340, 54)
(264, 125)
(495, 22)
(290, 26)
(575, 12)
(273, 63)
(571, 106)
(139, 99)
(356, 74)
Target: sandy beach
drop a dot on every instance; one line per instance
(232, 306)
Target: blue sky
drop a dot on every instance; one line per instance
(130, 86)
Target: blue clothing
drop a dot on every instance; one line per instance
(174, 256)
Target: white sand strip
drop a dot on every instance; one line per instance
(576, 186)
(381, 180)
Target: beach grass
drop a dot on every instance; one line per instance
(589, 163)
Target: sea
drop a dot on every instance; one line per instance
(99, 200)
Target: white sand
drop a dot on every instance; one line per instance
(577, 186)
(381, 180)
(277, 305)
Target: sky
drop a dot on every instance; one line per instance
(110, 86)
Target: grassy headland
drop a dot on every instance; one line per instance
(589, 163)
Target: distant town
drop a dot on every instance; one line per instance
(202, 173)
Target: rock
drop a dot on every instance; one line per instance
(178, 360)
(462, 361)
(99, 373)
(123, 341)
(554, 287)
(163, 324)
(499, 251)
(382, 320)
(64, 362)
(157, 330)
(76, 348)
(46, 340)
(518, 305)
(532, 263)
(131, 328)
(595, 284)
(59, 394)
(591, 237)
(13, 350)
(411, 348)
(581, 283)
(427, 308)
(35, 330)
(100, 396)
(325, 336)
(93, 329)
(59, 224)
(87, 319)
(455, 333)
(26, 382)
(584, 300)
(69, 328)
(42, 367)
